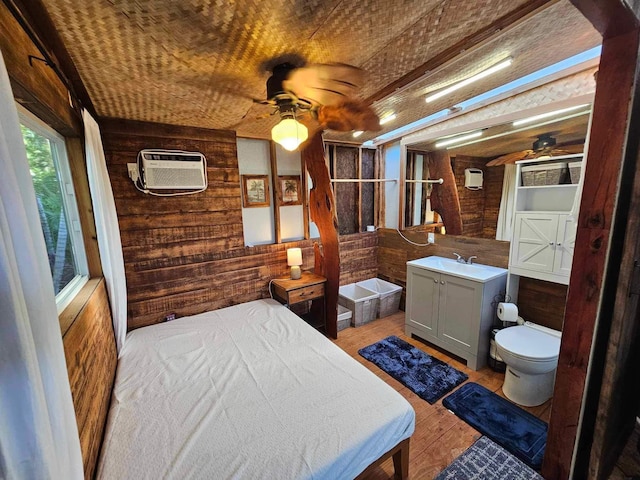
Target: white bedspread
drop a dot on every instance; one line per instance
(249, 391)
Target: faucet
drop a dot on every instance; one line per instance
(470, 259)
(459, 258)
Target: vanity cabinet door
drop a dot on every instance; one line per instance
(422, 300)
(459, 310)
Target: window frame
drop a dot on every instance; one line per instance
(69, 201)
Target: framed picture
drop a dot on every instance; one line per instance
(255, 191)
(289, 190)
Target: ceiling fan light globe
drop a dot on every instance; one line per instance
(289, 133)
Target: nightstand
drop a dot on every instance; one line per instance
(308, 287)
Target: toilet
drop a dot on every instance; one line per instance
(530, 352)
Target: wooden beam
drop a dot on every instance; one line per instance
(472, 42)
(33, 15)
(609, 133)
(35, 85)
(304, 186)
(323, 213)
(276, 189)
(444, 198)
(610, 17)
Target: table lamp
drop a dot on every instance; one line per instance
(294, 260)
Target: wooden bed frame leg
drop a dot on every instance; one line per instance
(400, 454)
(401, 461)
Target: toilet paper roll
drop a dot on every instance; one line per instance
(507, 312)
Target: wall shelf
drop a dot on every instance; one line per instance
(546, 187)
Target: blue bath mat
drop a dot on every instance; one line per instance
(427, 377)
(486, 460)
(505, 423)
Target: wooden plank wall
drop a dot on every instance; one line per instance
(542, 302)
(347, 199)
(492, 187)
(471, 201)
(538, 301)
(394, 252)
(186, 255)
(358, 257)
(90, 353)
(479, 208)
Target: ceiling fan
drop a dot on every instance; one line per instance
(545, 145)
(320, 96)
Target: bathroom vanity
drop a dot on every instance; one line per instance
(452, 305)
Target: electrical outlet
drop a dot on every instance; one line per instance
(431, 237)
(132, 168)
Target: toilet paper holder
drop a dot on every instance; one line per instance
(507, 312)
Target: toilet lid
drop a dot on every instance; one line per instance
(528, 343)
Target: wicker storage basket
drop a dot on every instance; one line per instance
(545, 174)
(390, 294)
(344, 317)
(574, 171)
(362, 302)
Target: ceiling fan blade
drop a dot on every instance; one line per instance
(510, 158)
(324, 84)
(349, 115)
(568, 148)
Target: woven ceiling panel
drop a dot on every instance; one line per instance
(201, 62)
(551, 36)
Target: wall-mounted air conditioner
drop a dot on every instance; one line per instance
(172, 169)
(473, 178)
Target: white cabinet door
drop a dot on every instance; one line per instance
(422, 300)
(459, 309)
(534, 239)
(565, 243)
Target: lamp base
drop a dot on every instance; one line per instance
(296, 273)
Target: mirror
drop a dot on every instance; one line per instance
(417, 192)
(506, 143)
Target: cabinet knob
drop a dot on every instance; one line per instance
(441, 282)
(435, 280)
(551, 244)
(559, 244)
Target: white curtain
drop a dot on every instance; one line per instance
(107, 229)
(507, 206)
(38, 430)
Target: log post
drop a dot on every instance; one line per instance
(323, 213)
(444, 198)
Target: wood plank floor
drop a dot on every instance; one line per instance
(439, 436)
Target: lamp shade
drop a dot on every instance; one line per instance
(294, 256)
(289, 133)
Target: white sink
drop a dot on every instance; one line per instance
(477, 271)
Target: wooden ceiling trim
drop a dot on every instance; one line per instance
(472, 42)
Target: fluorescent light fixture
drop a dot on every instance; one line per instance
(525, 128)
(387, 119)
(535, 118)
(357, 133)
(458, 139)
(485, 73)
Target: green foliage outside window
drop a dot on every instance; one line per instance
(47, 186)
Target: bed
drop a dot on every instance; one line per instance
(249, 391)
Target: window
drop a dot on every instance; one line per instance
(57, 208)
